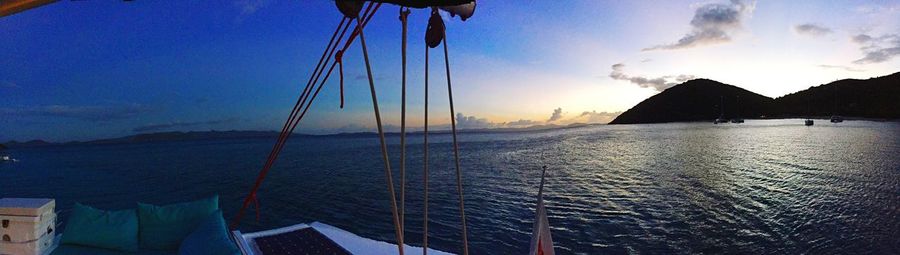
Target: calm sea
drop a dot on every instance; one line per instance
(771, 186)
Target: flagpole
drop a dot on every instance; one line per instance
(541, 189)
(541, 240)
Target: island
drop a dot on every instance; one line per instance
(706, 100)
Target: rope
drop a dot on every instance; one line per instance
(462, 209)
(425, 159)
(284, 134)
(384, 154)
(338, 59)
(294, 119)
(403, 20)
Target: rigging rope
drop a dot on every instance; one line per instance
(425, 168)
(384, 154)
(462, 209)
(338, 58)
(294, 119)
(403, 20)
(284, 130)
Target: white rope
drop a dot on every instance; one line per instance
(403, 16)
(462, 207)
(384, 153)
(425, 159)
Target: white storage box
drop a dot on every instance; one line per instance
(27, 225)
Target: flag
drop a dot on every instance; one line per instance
(541, 241)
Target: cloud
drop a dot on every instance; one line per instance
(659, 83)
(472, 122)
(557, 114)
(522, 123)
(813, 30)
(249, 7)
(596, 117)
(845, 68)
(861, 38)
(172, 125)
(557, 117)
(8, 85)
(877, 49)
(712, 24)
(87, 113)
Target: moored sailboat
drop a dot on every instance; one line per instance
(721, 118)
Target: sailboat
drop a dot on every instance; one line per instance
(834, 117)
(738, 119)
(721, 118)
(809, 121)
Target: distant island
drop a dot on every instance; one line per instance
(705, 100)
(237, 134)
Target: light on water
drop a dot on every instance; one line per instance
(772, 186)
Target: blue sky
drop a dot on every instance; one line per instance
(79, 70)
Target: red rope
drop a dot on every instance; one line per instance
(294, 119)
(337, 59)
(256, 202)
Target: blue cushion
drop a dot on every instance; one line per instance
(163, 227)
(211, 237)
(70, 249)
(116, 230)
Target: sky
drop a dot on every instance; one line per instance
(82, 70)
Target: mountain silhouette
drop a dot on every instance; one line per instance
(705, 100)
(696, 100)
(871, 98)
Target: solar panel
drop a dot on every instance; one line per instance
(302, 241)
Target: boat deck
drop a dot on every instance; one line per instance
(316, 238)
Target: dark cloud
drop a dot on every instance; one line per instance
(810, 29)
(659, 83)
(88, 113)
(557, 114)
(845, 68)
(712, 24)
(173, 125)
(877, 49)
(861, 38)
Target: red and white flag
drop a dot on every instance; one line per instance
(541, 241)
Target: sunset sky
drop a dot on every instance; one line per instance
(80, 70)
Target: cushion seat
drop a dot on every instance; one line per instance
(69, 249)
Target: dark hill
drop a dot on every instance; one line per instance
(186, 136)
(32, 143)
(697, 100)
(872, 98)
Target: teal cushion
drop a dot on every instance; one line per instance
(70, 249)
(163, 227)
(211, 238)
(116, 230)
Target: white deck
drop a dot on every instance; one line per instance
(351, 242)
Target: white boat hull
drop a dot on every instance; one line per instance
(352, 243)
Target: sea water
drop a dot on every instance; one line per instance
(772, 186)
